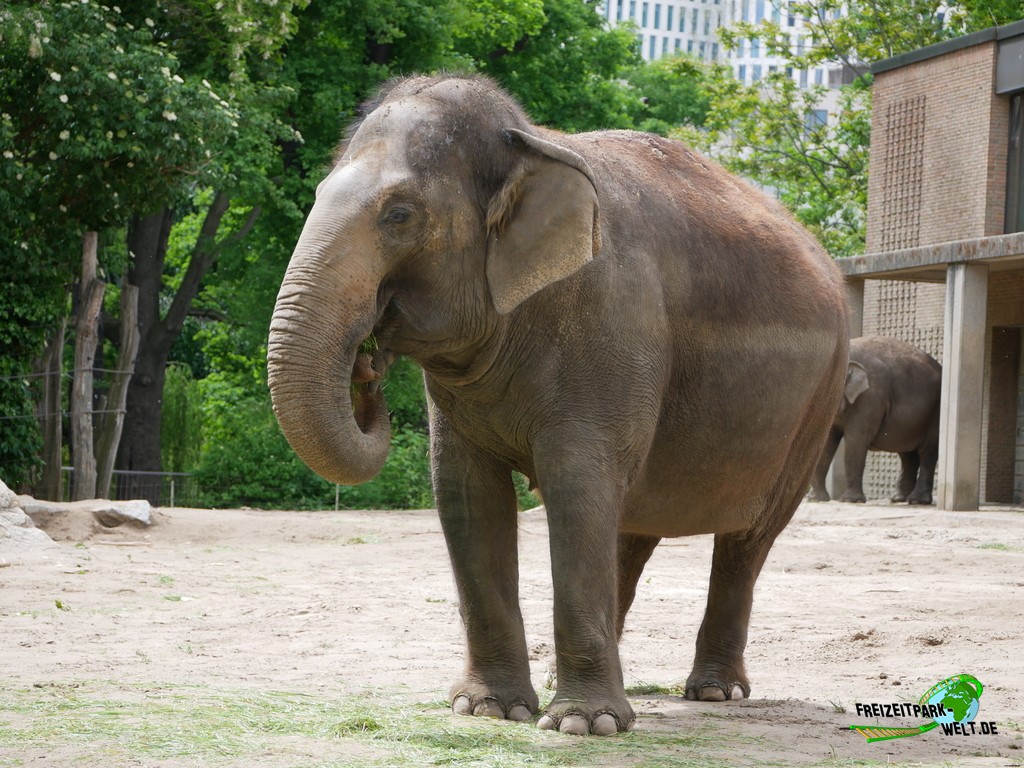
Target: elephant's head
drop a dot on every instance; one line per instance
(444, 212)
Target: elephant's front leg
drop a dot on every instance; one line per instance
(583, 504)
(477, 506)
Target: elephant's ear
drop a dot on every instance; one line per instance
(856, 382)
(542, 225)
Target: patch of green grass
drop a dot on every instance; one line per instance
(96, 723)
(653, 689)
(1000, 547)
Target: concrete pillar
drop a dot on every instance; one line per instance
(836, 480)
(963, 375)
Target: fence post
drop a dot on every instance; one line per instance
(172, 491)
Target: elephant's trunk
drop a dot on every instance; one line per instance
(325, 390)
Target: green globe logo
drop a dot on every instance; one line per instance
(958, 695)
(951, 704)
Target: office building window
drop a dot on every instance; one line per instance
(819, 76)
(815, 120)
(803, 78)
(693, 20)
(755, 47)
(742, 74)
(756, 73)
(714, 51)
(653, 42)
(759, 13)
(657, 15)
(668, 18)
(643, 22)
(679, 43)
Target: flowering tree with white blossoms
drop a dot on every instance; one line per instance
(97, 125)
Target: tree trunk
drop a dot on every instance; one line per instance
(112, 422)
(147, 242)
(53, 417)
(86, 337)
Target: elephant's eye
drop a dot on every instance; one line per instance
(397, 216)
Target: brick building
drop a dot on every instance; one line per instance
(945, 262)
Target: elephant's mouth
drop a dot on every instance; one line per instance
(368, 372)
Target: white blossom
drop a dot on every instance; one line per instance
(24, 245)
(10, 155)
(110, 134)
(53, 155)
(112, 75)
(177, 79)
(150, 22)
(176, 137)
(65, 135)
(63, 98)
(166, 72)
(55, 76)
(168, 115)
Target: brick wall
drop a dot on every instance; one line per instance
(938, 173)
(938, 152)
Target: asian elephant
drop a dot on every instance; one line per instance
(890, 403)
(658, 346)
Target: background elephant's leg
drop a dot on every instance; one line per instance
(856, 457)
(583, 503)
(477, 506)
(634, 552)
(909, 463)
(718, 673)
(819, 491)
(922, 493)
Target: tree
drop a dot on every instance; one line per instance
(673, 93)
(569, 74)
(92, 107)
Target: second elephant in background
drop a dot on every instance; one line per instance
(890, 403)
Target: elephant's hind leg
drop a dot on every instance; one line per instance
(634, 552)
(718, 671)
(910, 462)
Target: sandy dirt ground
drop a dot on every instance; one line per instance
(857, 604)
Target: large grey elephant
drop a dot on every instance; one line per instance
(654, 343)
(890, 403)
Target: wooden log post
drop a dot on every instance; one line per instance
(112, 422)
(86, 340)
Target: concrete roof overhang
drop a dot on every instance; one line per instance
(928, 263)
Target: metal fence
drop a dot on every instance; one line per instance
(161, 489)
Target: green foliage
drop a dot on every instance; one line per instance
(569, 73)
(181, 420)
(99, 108)
(674, 93)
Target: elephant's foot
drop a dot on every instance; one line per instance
(897, 498)
(853, 497)
(819, 495)
(582, 716)
(478, 700)
(922, 500)
(714, 682)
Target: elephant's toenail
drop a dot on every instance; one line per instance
(604, 725)
(488, 708)
(546, 723)
(712, 693)
(574, 725)
(519, 713)
(737, 693)
(461, 706)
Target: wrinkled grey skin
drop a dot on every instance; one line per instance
(890, 403)
(610, 314)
